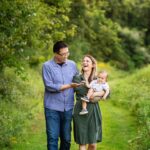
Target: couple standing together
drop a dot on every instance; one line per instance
(61, 79)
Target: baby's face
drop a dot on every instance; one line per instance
(101, 78)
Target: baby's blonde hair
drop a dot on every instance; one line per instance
(104, 73)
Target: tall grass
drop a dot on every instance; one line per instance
(18, 104)
(132, 93)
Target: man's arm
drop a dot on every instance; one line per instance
(52, 87)
(47, 79)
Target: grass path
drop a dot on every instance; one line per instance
(118, 128)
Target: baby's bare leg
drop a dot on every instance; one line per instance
(90, 93)
(84, 105)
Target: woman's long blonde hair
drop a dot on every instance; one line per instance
(94, 69)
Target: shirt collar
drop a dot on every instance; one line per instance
(56, 65)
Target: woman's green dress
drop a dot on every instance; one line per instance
(87, 128)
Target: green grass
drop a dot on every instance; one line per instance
(118, 128)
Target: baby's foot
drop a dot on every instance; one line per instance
(85, 98)
(83, 112)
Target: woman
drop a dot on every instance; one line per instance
(87, 128)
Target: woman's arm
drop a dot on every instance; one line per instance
(95, 98)
(99, 94)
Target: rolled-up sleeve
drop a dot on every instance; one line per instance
(48, 82)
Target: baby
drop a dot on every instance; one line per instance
(97, 87)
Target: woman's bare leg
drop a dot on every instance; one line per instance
(92, 146)
(82, 147)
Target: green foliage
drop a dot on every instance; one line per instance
(31, 27)
(107, 39)
(131, 14)
(78, 48)
(15, 33)
(95, 29)
(18, 101)
(132, 92)
(132, 42)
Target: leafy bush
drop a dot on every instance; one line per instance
(132, 41)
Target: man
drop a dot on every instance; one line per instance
(57, 76)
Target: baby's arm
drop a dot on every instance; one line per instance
(106, 94)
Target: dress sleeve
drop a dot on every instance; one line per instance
(76, 79)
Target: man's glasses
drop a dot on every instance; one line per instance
(64, 54)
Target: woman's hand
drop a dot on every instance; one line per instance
(74, 85)
(95, 99)
(67, 86)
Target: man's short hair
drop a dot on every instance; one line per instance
(58, 45)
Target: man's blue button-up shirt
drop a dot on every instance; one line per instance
(54, 76)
